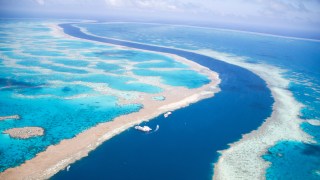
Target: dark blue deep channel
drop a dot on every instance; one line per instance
(185, 147)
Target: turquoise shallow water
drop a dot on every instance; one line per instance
(70, 62)
(300, 58)
(59, 91)
(61, 119)
(161, 64)
(186, 78)
(112, 68)
(289, 161)
(53, 82)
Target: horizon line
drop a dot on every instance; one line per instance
(91, 21)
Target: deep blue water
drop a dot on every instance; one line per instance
(300, 58)
(186, 145)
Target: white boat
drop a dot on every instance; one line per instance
(167, 114)
(143, 128)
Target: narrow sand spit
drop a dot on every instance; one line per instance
(58, 157)
(9, 117)
(243, 159)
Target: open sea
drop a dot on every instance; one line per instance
(237, 109)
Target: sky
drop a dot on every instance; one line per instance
(301, 16)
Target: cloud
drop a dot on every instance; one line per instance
(231, 8)
(117, 3)
(281, 12)
(40, 2)
(154, 5)
(161, 5)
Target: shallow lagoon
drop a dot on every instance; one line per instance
(185, 78)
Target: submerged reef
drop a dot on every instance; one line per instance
(25, 132)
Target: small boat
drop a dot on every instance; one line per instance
(167, 114)
(143, 128)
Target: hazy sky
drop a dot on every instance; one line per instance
(301, 15)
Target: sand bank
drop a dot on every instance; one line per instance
(24, 132)
(9, 117)
(58, 157)
(243, 159)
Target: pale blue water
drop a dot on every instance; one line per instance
(185, 78)
(161, 64)
(43, 52)
(60, 91)
(300, 58)
(112, 68)
(62, 69)
(70, 62)
(134, 55)
(50, 81)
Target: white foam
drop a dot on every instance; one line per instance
(314, 122)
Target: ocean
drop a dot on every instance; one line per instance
(297, 57)
(187, 143)
(53, 81)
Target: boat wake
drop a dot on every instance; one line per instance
(157, 128)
